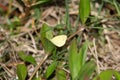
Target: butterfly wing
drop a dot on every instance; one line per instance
(59, 40)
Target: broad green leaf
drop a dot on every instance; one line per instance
(83, 53)
(21, 71)
(61, 74)
(117, 75)
(27, 58)
(48, 46)
(46, 32)
(74, 60)
(105, 75)
(84, 10)
(50, 69)
(86, 71)
(46, 35)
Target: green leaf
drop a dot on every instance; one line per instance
(21, 71)
(84, 10)
(105, 75)
(46, 35)
(83, 53)
(61, 74)
(46, 32)
(74, 60)
(117, 75)
(86, 71)
(50, 69)
(27, 58)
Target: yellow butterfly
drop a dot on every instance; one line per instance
(59, 40)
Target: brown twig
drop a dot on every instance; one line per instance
(38, 66)
(6, 69)
(81, 29)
